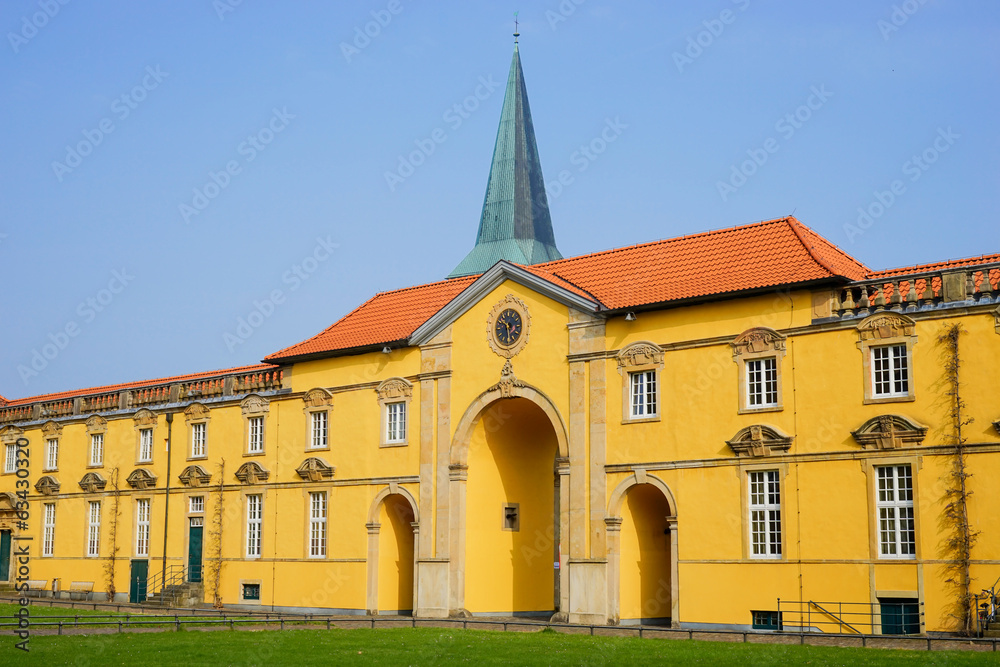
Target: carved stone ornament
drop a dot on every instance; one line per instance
(315, 469)
(47, 486)
(996, 425)
(194, 476)
(317, 398)
(93, 482)
(885, 325)
(508, 381)
(996, 318)
(251, 473)
(889, 432)
(760, 440)
(144, 418)
(254, 405)
(141, 479)
(509, 302)
(394, 388)
(756, 340)
(97, 424)
(196, 412)
(642, 353)
(51, 430)
(10, 435)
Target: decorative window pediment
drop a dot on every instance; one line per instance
(885, 325)
(141, 479)
(97, 424)
(394, 388)
(315, 469)
(252, 473)
(889, 432)
(642, 353)
(196, 412)
(51, 430)
(194, 476)
(144, 418)
(93, 482)
(10, 435)
(317, 398)
(47, 486)
(758, 340)
(254, 405)
(760, 440)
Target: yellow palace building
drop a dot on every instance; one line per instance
(744, 428)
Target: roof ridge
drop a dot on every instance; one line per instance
(567, 280)
(913, 268)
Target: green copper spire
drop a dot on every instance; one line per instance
(515, 223)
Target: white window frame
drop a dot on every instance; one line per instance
(395, 421)
(318, 512)
(764, 520)
(10, 459)
(895, 519)
(49, 529)
(142, 512)
(254, 524)
(762, 383)
(894, 362)
(145, 445)
(52, 454)
(199, 440)
(643, 394)
(319, 429)
(93, 529)
(96, 449)
(255, 434)
(196, 505)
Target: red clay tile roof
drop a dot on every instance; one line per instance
(757, 256)
(44, 398)
(387, 317)
(936, 266)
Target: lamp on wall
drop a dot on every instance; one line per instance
(386, 350)
(630, 316)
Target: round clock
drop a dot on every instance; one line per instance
(508, 327)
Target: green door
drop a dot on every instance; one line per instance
(900, 616)
(4, 555)
(194, 551)
(138, 575)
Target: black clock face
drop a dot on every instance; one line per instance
(508, 327)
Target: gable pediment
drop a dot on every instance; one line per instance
(47, 485)
(760, 440)
(140, 478)
(194, 476)
(315, 469)
(251, 472)
(889, 432)
(92, 482)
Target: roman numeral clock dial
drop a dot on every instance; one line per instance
(508, 326)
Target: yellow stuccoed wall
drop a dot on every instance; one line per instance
(829, 544)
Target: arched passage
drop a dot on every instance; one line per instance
(507, 505)
(392, 528)
(642, 552)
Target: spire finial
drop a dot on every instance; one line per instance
(516, 33)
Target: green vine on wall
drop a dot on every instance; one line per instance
(215, 539)
(109, 565)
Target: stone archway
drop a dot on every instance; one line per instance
(508, 458)
(650, 507)
(393, 526)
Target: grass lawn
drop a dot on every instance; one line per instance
(431, 646)
(68, 616)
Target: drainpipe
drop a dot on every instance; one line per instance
(166, 497)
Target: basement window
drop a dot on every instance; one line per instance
(251, 592)
(512, 517)
(766, 620)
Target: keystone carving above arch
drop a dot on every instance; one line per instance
(141, 479)
(758, 340)
(317, 398)
(254, 405)
(47, 486)
(92, 482)
(196, 412)
(51, 429)
(315, 469)
(194, 476)
(394, 388)
(641, 353)
(252, 473)
(889, 432)
(760, 440)
(144, 417)
(97, 424)
(885, 325)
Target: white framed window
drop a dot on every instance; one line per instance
(255, 515)
(145, 445)
(318, 430)
(890, 371)
(49, 529)
(97, 449)
(642, 394)
(199, 435)
(894, 512)
(51, 453)
(317, 524)
(10, 458)
(196, 504)
(255, 435)
(395, 422)
(762, 382)
(94, 529)
(142, 527)
(765, 513)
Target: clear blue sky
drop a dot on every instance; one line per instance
(182, 86)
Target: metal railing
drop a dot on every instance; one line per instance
(174, 575)
(859, 618)
(987, 606)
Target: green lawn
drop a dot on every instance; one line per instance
(68, 616)
(430, 646)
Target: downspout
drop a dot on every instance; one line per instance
(166, 498)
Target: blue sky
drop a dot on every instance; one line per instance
(173, 168)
